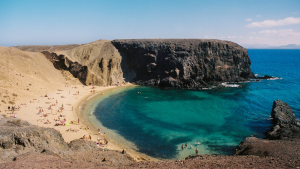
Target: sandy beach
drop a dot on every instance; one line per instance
(62, 106)
(45, 96)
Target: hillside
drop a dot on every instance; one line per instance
(28, 74)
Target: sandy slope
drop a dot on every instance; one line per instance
(25, 79)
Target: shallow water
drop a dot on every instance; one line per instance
(157, 121)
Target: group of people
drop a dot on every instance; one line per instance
(197, 151)
(85, 137)
(99, 143)
(13, 108)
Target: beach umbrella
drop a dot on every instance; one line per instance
(67, 123)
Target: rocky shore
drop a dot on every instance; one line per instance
(29, 146)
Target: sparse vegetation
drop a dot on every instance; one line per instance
(15, 95)
(3, 101)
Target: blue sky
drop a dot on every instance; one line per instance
(53, 22)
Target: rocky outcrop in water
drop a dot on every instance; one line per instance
(284, 120)
(183, 63)
(285, 131)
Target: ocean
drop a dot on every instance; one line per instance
(157, 121)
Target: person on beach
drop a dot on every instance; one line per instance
(90, 137)
(182, 147)
(186, 144)
(104, 135)
(99, 131)
(198, 143)
(78, 120)
(191, 147)
(197, 151)
(56, 102)
(8, 108)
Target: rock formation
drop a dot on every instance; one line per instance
(285, 131)
(19, 137)
(175, 63)
(183, 63)
(284, 120)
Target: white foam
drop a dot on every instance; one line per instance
(225, 84)
(274, 78)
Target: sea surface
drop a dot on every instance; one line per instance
(157, 122)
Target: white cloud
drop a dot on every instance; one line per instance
(231, 37)
(269, 37)
(281, 32)
(248, 19)
(270, 23)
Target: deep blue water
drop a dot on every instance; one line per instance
(158, 121)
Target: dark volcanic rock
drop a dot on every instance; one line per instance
(284, 120)
(265, 77)
(183, 63)
(79, 71)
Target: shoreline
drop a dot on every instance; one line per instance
(83, 114)
(64, 103)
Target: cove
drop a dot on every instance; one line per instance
(157, 121)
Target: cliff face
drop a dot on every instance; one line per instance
(96, 63)
(181, 63)
(176, 63)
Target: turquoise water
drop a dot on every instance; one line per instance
(157, 121)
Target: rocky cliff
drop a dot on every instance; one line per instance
(176, 63)
(183, 63)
